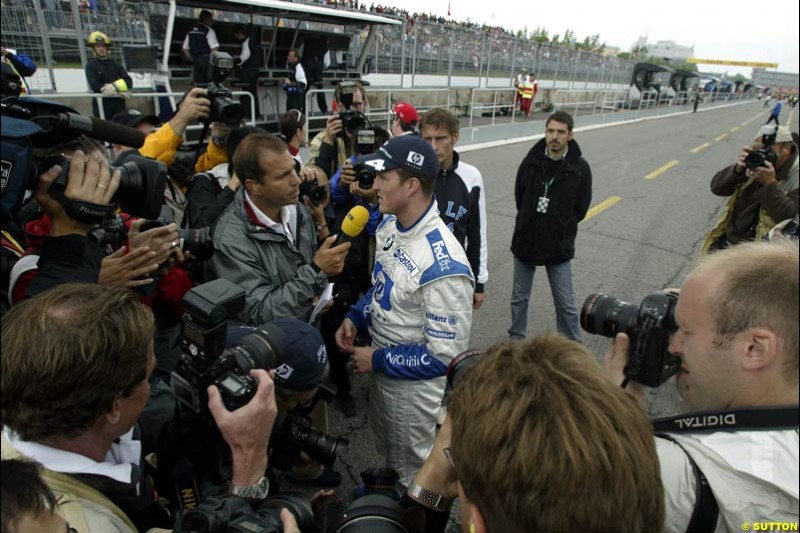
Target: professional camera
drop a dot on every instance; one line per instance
(205, 361)
(352, 120)
(197, 242)
(374, 512)
(223, 107)
(315, 192)
(380, 480)
(759, 158)
(141, 185)
(649, 326)
(34, 124)
(368, 140)
(457, 368)
(231, 514)
(293, 434)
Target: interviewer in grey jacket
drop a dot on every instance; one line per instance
(268, 243)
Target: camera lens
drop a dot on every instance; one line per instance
(229, 111)
(297, 504)
(603, 315)
(262, 349)
(197, 242)
(141, 186)
(324, 448)
(373, 513)
(755, 159)
(365, 178)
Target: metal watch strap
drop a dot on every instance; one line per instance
(258, 491)
(429, 498)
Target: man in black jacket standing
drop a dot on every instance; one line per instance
(553, 192)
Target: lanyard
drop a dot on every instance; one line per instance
(547, 185)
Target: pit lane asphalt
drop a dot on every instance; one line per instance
(644, 242)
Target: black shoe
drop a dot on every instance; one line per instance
(328, 478)
(346, 404)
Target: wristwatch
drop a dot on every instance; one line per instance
(258, 491)
(429, 498)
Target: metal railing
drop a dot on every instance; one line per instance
(563, 99)
(494, 106)
(99, 99)
(383, 99)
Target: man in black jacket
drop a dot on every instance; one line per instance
(553, 192)
(106, 76)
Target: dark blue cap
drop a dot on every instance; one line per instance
(305, 359)
(408, 152)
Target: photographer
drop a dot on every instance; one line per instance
(212, 191)
(737, 346)
(267, 243)
(75, 367)
(762, 186)
(537, 439)
(332, 147)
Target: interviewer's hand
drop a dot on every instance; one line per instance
(616, 360)
(346, 335)
(89, 180)
(331, 259)
(247, 429)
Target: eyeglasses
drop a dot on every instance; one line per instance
(299, 114)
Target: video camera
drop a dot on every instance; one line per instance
(223, 107)
(649, 326)
(759, 158)
(204, 359)
(221, 513)
(352, 120)
(31, 123)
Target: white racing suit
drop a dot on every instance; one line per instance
(419, 314)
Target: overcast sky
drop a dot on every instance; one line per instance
(732, 29)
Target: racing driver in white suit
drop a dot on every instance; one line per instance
(418, 311)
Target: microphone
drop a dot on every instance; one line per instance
(353, 224)
(102, 130)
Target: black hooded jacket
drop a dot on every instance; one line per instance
(549, 238)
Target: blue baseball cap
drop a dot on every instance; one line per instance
(304, 356)
(408, 152)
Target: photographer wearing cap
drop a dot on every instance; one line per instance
(278, 250)
(731, 458)
(75, 367)
(762, 186)
(419, 309)
(538, 439)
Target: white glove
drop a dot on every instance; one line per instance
(108, 89)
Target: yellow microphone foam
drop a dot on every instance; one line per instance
(355, 221)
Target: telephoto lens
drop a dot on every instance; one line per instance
(374, 514)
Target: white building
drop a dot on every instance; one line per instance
(666, 49)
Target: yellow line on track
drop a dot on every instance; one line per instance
(700, 148)
(735, 128)
(660, 170)
(721, 137)
(602, 206)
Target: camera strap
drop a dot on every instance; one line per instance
(185, 481)
(81, 211)
(746, 419)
